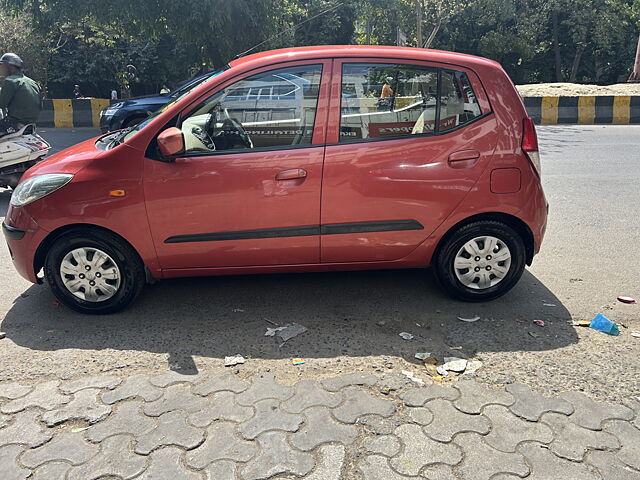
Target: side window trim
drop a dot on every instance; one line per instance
(436, 126)
(411, 137)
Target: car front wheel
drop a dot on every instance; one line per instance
(481, 261)
(94, 272)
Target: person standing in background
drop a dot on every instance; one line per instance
(76, 91)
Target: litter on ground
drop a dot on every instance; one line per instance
(635, 334)
(630, 300)
(469, 320)
(422, 355)
(233, 360)
(455, 364)
(540, 323)
(431, 369)
(297, 361)
(272, 331)
(472, 367)
(581, 323)
(290, 331)
(412, 377)
(550, 305)
(406, 335)
(603, 324)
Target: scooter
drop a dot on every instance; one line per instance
(20, 151)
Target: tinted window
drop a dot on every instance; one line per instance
(386, 100)
(271, 109)
(390, 100)
(458, 103)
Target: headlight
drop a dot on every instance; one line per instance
(112, 109)
(37, 187)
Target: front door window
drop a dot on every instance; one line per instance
(267, 110)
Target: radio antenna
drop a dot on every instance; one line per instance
(290, 29)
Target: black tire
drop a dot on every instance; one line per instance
(132, 275)
(443, 264)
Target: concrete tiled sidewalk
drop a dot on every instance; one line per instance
(218, 426)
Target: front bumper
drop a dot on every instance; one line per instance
(23, 236)
(12, 233)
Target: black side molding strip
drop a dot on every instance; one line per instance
(362, 227)
(246, 234)
(12, 233)
(330, 229)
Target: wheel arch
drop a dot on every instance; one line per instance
(512, 221)
(45, 245)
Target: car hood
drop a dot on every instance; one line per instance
(154, 100)
(70, 160)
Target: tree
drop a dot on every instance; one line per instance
(18, 37)
(326, 22)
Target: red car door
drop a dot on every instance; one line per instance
(247, 190)
(397, 163)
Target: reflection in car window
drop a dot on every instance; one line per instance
(271, 109)
(391, 100)
(183, 94)
(458, 103)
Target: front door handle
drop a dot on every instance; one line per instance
(293, 174)
(464, 158)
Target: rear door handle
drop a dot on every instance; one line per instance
(464, 158)
(293, 174)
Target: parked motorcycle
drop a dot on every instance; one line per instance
(20, 151)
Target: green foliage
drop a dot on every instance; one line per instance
(99, 44)
(19, 37)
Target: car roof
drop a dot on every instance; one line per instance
(334, 51)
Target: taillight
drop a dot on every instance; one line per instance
(530, 143)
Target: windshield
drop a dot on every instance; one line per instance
(190, 84)
(130, 132)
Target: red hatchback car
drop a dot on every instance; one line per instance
(303, 159)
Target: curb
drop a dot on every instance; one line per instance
(584, 109)
(70, 113)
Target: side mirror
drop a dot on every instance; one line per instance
(171, 142)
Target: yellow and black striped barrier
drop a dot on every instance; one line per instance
(584, 109)
(69, 113)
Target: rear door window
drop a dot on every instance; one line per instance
(394, 100)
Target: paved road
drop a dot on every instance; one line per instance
(357, 426)
(590, 174)
(189, 422)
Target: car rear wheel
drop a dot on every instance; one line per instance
(480, 261)
(94, 272)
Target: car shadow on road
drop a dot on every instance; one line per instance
(354, 314)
